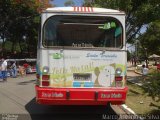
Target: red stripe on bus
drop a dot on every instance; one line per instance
(91, 9)
(78, 9)
(88, 9)
(81, 9)
(84, 9)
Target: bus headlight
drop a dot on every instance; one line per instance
(45, 69)
(118, 71)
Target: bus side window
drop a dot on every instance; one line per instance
(50, 32)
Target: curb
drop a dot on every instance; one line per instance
(139, 84)
(137, 72)
(129, 111)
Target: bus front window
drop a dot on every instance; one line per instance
(82, 31)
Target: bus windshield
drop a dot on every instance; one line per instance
(82, 31)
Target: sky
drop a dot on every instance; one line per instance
(60, 3)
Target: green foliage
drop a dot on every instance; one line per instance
(138, 13)
(69, 3)
(19, 19)
(151, 38)
(152, 85)
(8, 46)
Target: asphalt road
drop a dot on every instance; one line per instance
(17, 101)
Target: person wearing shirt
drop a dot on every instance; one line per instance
(4, 69)
(144, 70)
(14, 69)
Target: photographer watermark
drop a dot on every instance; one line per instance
(9, 117)
(131, 116)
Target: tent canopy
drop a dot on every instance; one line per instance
(154, 56)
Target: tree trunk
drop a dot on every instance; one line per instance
(3, 46)
(13, 46)
(21, 50)
(28, 48)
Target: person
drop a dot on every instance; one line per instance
(4, 69)
(155, 62)
(144, 71)
(25, 66)
(14, 69)
(132, 60)
(0, 72)
(21, 70)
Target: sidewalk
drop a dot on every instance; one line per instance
(133, 76)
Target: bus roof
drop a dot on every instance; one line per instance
(83, 10)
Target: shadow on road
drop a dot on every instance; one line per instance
(45, 112)
(136, 79)
(27, 82)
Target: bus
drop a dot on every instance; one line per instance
(81, 57)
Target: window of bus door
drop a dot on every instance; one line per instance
(82, 32)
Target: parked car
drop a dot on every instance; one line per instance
(28, 64)
(31, 69)
(158, 66)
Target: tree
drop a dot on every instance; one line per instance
(151, 38)
(43, 4)
(69, 3)
(128, 55)
(19, 20)
(138, 13)
(22, 21)
(149, 43)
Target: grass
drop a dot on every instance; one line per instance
(140, 102)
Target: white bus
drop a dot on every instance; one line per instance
(81, 57)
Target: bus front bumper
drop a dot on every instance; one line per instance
(80, 96)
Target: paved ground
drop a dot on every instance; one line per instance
(16, 93)
(17, 97)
